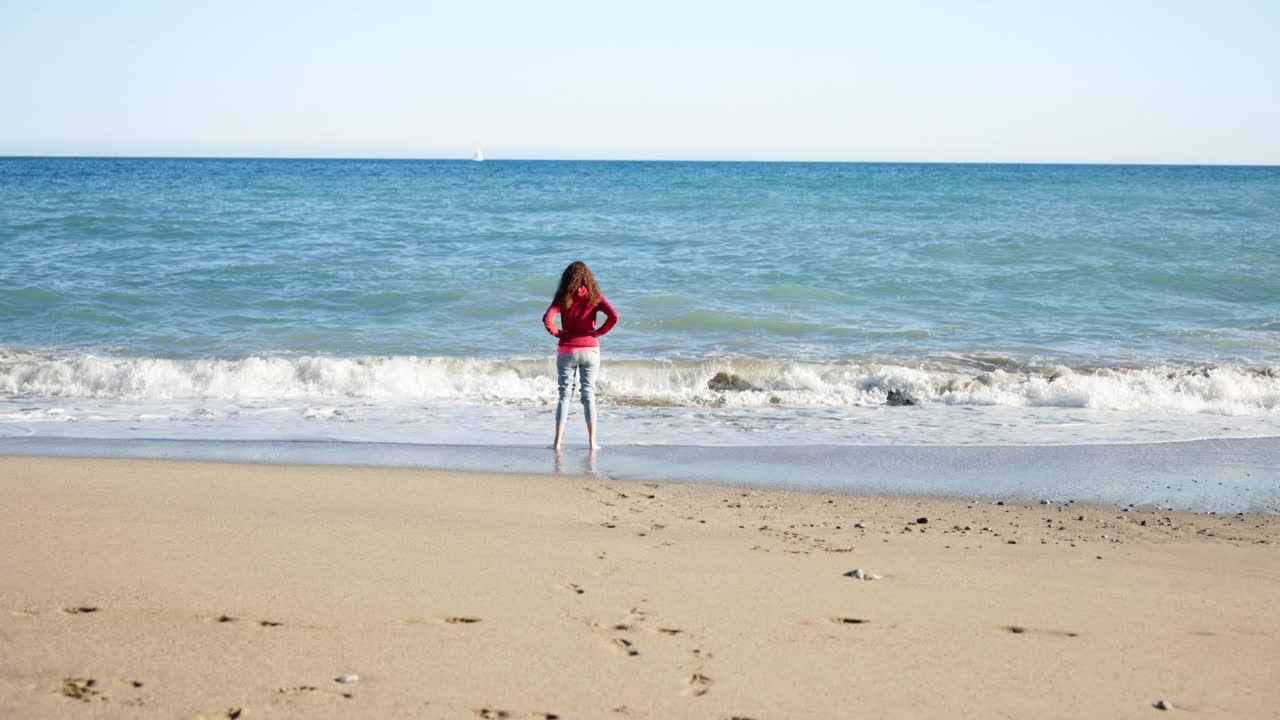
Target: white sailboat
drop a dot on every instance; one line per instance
(479, 156)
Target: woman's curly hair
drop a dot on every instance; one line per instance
(575, 276)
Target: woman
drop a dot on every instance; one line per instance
(577, 301)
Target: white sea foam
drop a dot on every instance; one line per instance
(1222, 390)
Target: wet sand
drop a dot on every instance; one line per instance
(1222, 475)
(142, 588)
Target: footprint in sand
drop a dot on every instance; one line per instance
(228, 714)
(624, 646)
(635, 617)
(312, 691)
(449, 620)
(82, 689)
(219, 619)
(697, 685)
(90, 690)
(1021, 630)
(835, 620)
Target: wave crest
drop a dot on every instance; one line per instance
(1225, 390)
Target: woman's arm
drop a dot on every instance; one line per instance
(610, 317)
(549, 319)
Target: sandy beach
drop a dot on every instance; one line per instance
(137, 588)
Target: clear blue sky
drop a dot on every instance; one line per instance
(1033, 81)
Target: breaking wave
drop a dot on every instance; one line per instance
(1224, 390)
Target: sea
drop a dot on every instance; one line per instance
(1093, 332)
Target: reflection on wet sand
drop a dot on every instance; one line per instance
(588, 464)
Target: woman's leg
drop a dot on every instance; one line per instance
(588, 366)
(565, 370)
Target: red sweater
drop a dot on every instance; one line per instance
(579, 322)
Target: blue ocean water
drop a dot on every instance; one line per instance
(401, 300)
(227, 258)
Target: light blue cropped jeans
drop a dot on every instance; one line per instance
(583, 365)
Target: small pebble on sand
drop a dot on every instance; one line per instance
(1163, 705)
(347, 679)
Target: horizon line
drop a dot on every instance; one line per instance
(624, 160)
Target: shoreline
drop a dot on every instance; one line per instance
(1213, 475)
(194, 589)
